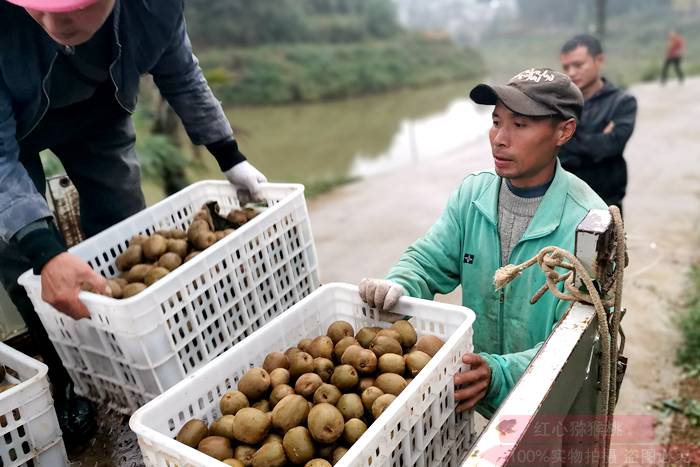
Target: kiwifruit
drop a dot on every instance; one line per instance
(203, 215)
(391, 363)
(291, 351)
(349, 354)
(279, 376)
(327, 393)
(364, 361)
(304, 344)
(3, 388)
(365, 382)
(354, 428)
(338, 330)
(390, 383)
(244, 454)
(233, 401)
(338, 453)
(273, 438)
(154, 247)
(217, 447)
(133, 289)
(291, 411)
(250, 426)
(198, 224)
(407, 333)
(275, 360)
(250, 213)
(300, 363)
(318, 463)
(178, 234)
(369, 395)
(121, 281)
(323, 368)
(381, 403)
(170, 261)
(191, 255)
(344, 377)
(416, 361)
(155, 274)
(279, 392)
(307, 384)
(130, 258)
(178, 247)
(219, 234)
(326, 423)
(237, 217)
(342, 345)
(325, 451)
(203, 239)
(365, 336)
(165, 233)
(191, 432)
(385, 344)
(299, 445)
(322, 346)
(270, 455)
(115, 290)
(138, 273)
(233, 463)
(222, 426)
(429, 344)
(350, 405)
(254, 384)
(389, 332)
(263, 405)
(138, 239)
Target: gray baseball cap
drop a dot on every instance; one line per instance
(535, 92)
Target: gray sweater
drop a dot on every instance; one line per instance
(516, 208)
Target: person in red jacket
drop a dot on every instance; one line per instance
(675, 48)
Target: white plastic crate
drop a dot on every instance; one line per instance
(420, 428)
(29, 431)
(132, 350)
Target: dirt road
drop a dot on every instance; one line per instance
(361, 230)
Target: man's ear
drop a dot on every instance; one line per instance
(565, 131)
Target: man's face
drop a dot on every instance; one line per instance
(524, 148)
(581, 66)
(75, 27)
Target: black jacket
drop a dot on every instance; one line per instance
(596, 157)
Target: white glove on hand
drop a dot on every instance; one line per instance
(382, 295)
(245, 177)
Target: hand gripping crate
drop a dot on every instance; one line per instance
(29, 431)
(132, 350)
(420, 428)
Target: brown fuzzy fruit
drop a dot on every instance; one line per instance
(344, 377)
(338, 453)
(304, 344)
(323, 368)
(191, 432)
(416, 361)
(138, 239)
(365, 382)
(407, 333)
(389, 332)
(178, 234)
(170, 261)
(191, 255)
(179, 247)
(275, 360)
(307, 384)
(263, 405)
(279, 392)
(385, 344)
(291, 411)
(217, 447)
(326, 423)
(327, 393)
(133, 289)
(354, 428)
(279, 376)
(370, 395)
(130, 258)
(365, 362)
(138, 273)
(381, 403)
(299, 445)
(115, 290)
(222, 426)
(233, 401)
(390, 383)
(429, 344)
(154, 247)
(300, 363)
(318, 463)
(342, 346)
(338, 330)
(254, 384)
(154, 275)
(391, 363)
(350, 405)
(270, 455)
(349, 354)
(244, 454)
(250, 426)
(322, 347)
(365, 336)
(233, 463)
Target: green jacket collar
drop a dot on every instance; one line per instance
(548, 215)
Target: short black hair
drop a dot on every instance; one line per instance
(583, 40)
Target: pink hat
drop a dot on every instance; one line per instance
(53, 6)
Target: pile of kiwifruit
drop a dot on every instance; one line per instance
(149, 258)
(310, 404)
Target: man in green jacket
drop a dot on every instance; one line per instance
(498, 218)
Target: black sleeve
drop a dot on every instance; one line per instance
(596, 147)
(40, 241)
(226, 153)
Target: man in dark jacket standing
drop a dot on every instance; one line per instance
(69, 79)
(595, 153)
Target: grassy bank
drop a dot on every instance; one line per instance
(689, 353)
(280, 74)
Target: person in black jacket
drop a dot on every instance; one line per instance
(595, 153)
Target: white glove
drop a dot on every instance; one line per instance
(382, 295)
(245, 177)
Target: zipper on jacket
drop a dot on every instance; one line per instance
(48, 99)
(114, 82)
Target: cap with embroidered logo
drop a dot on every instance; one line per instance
(535, 92)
